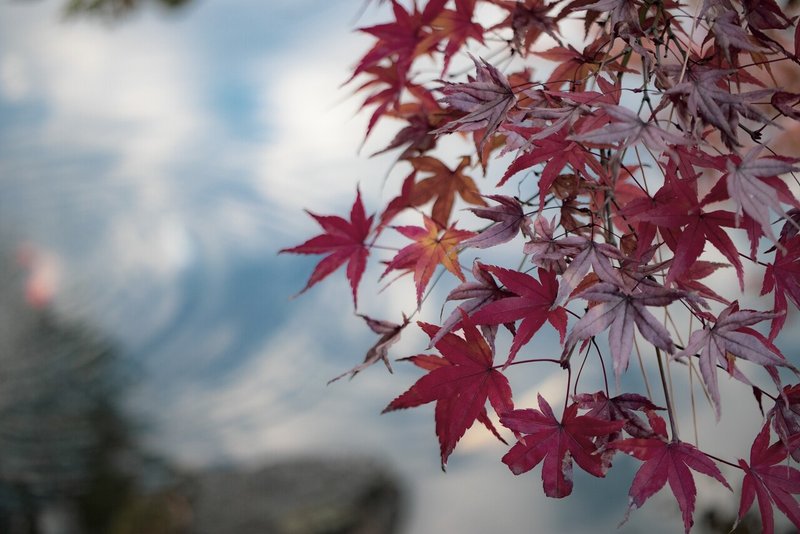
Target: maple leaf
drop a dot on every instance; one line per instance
(589, 253)
(486, 99)
(343, 241)
(619, 11)
(443, 185)
(725, 341)
(771, 483)
(785, 416)
(422, 117)
(556, 442)
(620, 408)
(461, 385)
(689, 281)
(701, 96)
(565, 115)
(730, 36)
(785, 103)
(556, 152)
(576, 67)
(528, 20)
(398, 204)
(508, 217)
(390, 334)
(619, 309)
(754, 186)
(401, 40)
(477, 295)
(546, 251)
(428, 250)
(533, 302)
(628, 129)
(667, 461)
(765, 15)
(456, 26)
(783, 277)
(388, 84)
(686, 227)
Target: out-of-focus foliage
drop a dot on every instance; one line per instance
(116, 8)
(67, 448)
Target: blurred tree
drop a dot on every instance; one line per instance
(65, 444)
(115, 8)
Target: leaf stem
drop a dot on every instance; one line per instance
(667, 396)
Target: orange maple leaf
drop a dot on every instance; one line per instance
(443, 185)
(428, 251)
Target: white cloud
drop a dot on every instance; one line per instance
(15, 84)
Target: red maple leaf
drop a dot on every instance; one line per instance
(686, 227)
(533, 302)
(769, 482)
(428, 251)
(765, 15)
(667, 461)
(460, 383)
(343, 241)
(529, 20)
(456, 26)
(556, 152)
(557, 443)
(783, 277)
(401, 40)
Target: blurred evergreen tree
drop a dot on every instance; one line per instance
(116, 8)
(64, 440)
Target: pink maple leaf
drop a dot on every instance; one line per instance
(619, 309)
(754, 187)
(628, 129)
(508, 217)
(725, 341)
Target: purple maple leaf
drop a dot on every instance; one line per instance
(619, 309)
(727, 340)
(508, 217)
(486, 99)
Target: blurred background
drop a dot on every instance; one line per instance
(155, 376)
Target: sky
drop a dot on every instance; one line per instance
(157, 164)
